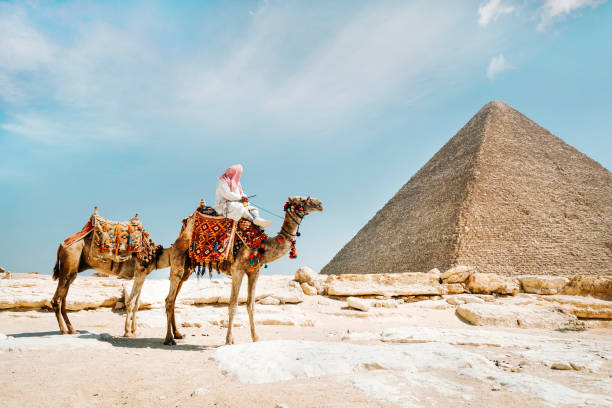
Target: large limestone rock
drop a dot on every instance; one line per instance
(598, 286)
(583, 307)
(386, 284)
(543, 285)
(488, 283)
(305, 275)
(523, 316)
(308, 290)
(457, 274)
(35, 292)
(358, 303)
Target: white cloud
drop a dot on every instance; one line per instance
(492, 10)
(554, 10)
(498, 65)
(107, 79)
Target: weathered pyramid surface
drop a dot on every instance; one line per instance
(505, 195)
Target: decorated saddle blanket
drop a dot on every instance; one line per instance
(212, 238)
(117, 241)
(250, 234)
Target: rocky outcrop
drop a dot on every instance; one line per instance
(583, 285)
(457, 274)
(583, 307)
(488, 314)
(487, 283)
(543, 285)
(387, 284)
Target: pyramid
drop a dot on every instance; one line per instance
(504, 195)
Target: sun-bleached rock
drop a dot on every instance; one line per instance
(453, 288)
(586, 285)
(358, 303)
(305, 275)
(403, 375)
(462, 299)
(388, 284)
(543, 285)
(503, 315)
(581, 306)
(269, 300)
(488, 283)
(388, 303)
(308, 290)
(457, 274)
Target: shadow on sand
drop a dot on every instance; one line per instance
(124, 342)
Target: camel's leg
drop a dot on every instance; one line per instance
(177, 334)
(56, 301)
(69, 281)
(175, 280)
(251, 303)
(236, 282)
(130, 304)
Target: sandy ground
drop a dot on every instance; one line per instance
(331, 357)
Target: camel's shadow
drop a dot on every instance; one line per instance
(122, 342)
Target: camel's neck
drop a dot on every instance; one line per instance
(164, 259)
(279, 245)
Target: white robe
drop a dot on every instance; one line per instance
(229, 204)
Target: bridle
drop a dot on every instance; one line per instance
(296, 216)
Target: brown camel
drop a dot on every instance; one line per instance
(276, 248)
(77, 257)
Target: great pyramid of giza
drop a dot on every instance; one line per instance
(504, 195)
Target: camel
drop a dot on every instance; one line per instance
(276, 248)
(77, 257)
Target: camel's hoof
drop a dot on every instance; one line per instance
(255, 338)
(229, 341)
(129, 335)
(178, 335)
(72, 331)
(170, 342)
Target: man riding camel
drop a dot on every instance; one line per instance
(232, 202)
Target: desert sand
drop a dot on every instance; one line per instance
(473, 350)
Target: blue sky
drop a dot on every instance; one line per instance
(140, 106)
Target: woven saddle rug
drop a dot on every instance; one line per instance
(116, 241)
(250, 234)
(212, 239)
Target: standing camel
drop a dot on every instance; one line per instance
(77, 257)
(276, 248)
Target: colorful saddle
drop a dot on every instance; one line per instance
(214, 240)
(117, 241)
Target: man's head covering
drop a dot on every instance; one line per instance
(232, 177)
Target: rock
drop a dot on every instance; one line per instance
(305, 275)
(434, 271)
(583, 285)
(452, 288)
(561, 366)
(198, 392)
(281, 406)
(462, 299)
(387, 284)
(457, 274)
(583, 307)
(388, 303)
(488, 283)
(308, 290)
(358, 303)
(543, 285)
(269, 300)
(530, 316)
(7, 275)
(319, 285)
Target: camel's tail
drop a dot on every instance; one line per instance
(56, 268)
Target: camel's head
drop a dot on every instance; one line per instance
(309, 204)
